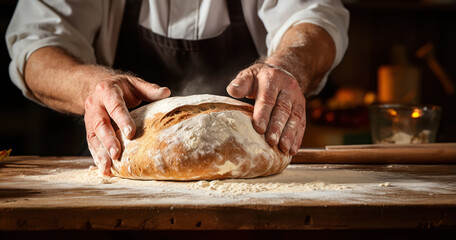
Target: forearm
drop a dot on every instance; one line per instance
(307, 51)
(60, 81)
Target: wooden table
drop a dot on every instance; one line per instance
(381, 196)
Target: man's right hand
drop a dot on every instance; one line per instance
(62, 82)
(110, 99)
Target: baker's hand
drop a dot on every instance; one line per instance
(110, 99)
(279, 110)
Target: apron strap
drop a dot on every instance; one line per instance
(235, 11)
(132, 16)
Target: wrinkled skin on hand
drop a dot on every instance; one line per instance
(110, 99)
(279, 110)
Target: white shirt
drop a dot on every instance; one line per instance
(89, 29)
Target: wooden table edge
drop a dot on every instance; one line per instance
(245, 217)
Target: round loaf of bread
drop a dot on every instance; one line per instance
(199, 137)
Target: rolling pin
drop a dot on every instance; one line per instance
(429, 153)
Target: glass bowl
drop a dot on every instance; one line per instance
(403, 124)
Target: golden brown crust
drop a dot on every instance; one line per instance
(152, 156)
(202, 169)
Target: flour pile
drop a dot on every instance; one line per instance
(290, 181)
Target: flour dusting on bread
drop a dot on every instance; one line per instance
(197, 137)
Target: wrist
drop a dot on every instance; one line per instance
(88, 77)
(270, 65)
(291, 65)
(307, 51)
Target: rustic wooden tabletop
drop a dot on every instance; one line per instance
(54, 193)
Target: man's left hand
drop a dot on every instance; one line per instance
(280, 106)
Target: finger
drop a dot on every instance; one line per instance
(99, 122)
(101, 159)
(298, 139)
(300, 130)
(279, 117)
(99, 154)
(268, 89)
(244, 85)
(291, 130)
(106, 134)
(148, 91)
(118, 111)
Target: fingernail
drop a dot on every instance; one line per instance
(274, 138)
(234, 85)
(113, 152)
(127, 131)
(262, 125)
(163, 88)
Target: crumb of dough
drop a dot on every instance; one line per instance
(385, 184)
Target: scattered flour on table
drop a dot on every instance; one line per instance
(290, 181)
(312, 183)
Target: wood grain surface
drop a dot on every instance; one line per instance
(416, 197)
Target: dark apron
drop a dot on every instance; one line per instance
(185, 66)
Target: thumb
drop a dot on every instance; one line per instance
(149, 91)
(245, 84)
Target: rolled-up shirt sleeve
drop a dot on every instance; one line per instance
(37, 24)
(279, 16)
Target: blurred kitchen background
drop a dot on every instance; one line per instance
(400, 51)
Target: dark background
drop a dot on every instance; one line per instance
(375, 26)
(26, 127)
